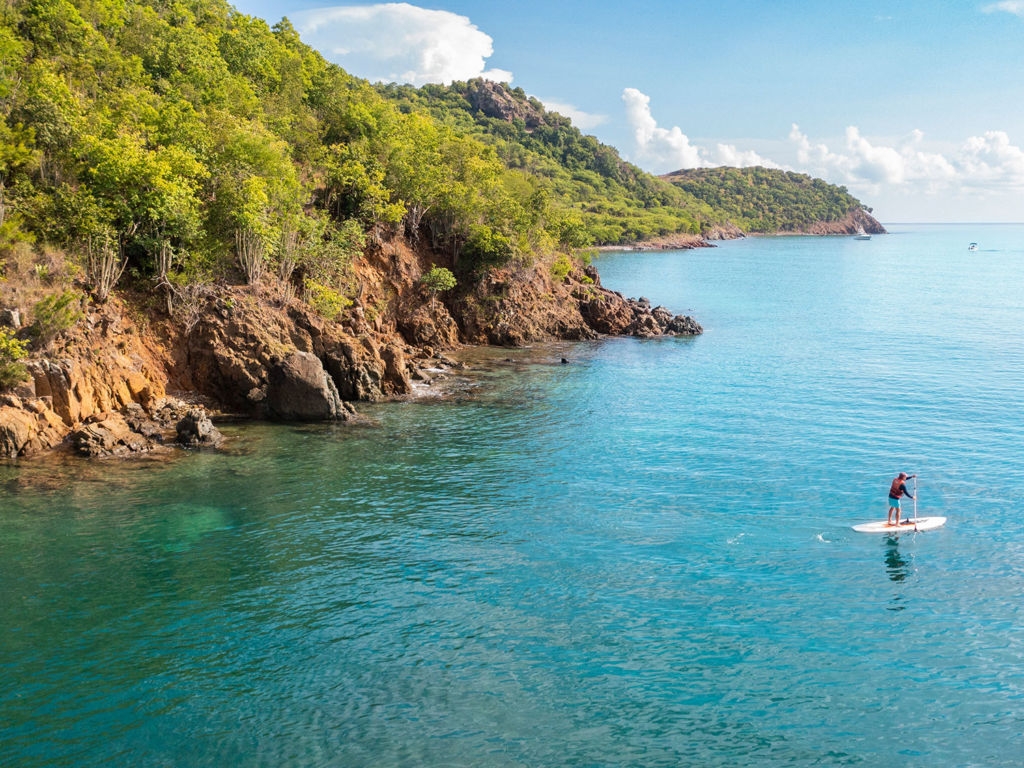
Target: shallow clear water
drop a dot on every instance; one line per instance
(640, 558)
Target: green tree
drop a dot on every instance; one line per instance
(437, 280)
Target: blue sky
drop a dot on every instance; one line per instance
(917, 107)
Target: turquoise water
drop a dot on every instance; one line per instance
(640, 558)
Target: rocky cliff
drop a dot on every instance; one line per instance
(130, 378)
(848, 225)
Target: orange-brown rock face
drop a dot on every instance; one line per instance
(257, 351)
(103, 368)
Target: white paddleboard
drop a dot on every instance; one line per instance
(905, 526)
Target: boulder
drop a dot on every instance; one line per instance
(425, 326)
(645, 326)
(16, 428)
(684, 325)
(605, 312)
(662, 315)
(356, 369)
(108, 434)
(396, 370)
(139, 421)
(195, 430)
(299, 389)
(11, 317)
(28, 426)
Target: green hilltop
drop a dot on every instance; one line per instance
(768, 200)
(617, 201)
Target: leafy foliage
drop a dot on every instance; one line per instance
(182, 142)
(437, 280)
(327, 301)
(53, 315)
(591, 194)
(12, 352)
(168, 139)
(561, 267)
(767, 200)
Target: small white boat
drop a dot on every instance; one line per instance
(861, 234)
(972, 247)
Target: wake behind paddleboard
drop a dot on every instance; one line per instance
(905, 526)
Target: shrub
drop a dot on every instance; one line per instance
(561, 267)
(12, 352)
(487, 248)
(53, 315)
(326, 301)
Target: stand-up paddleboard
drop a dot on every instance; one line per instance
(911, 525)
(905, 526)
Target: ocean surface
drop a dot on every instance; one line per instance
(643, 557)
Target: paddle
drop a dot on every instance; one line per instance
(915, 503)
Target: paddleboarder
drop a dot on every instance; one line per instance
(897, 490)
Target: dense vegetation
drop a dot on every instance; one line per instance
(176, 142)
(179, 142)
(766, 200)
(619, 202)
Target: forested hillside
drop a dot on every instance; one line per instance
(768, 200)
(619, 202)
(186, 141)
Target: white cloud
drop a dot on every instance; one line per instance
(400, 42)
(989, 160)
(585, 121)
(667, 149)
(728, 154)
(1016, 7)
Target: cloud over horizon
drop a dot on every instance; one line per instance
(401, 43)
(988, 162)
(669, 149)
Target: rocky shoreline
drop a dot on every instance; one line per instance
(850, 224)
(130, 381)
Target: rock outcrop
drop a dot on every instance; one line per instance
(135, 430)
(28, 426)
(494, 100)
(196, 430)
(848, 225)
(100, 390)
(612, 314)
(299, 389)
(258, 352)
(109, 435)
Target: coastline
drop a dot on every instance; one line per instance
(847, 226)
(126, 380)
